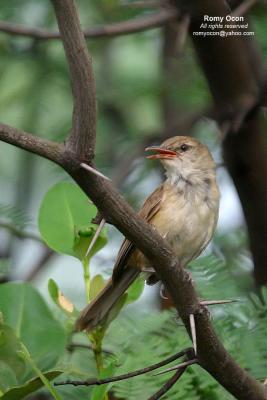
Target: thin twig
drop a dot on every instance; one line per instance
(243, 8)
(96, 235)
(182, 365)
(136, 25)
(19, 232)
(39, 265)
(193, 331)
(144, 4)
(91, 382)
(94, 171)
(168, 385)
(73, 346)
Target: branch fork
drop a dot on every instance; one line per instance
(211, 353)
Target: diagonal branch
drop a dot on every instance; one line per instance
(135, 25)
(243, 8)
(211, 353)
(44, 148)
(82, 138)
(19, 233)
(92, 382)
(168, 385)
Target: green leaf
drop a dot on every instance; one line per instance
(96, 285)
(25, 311)
(135, 290)
(65, 220)
(21, 391)
(9, 347)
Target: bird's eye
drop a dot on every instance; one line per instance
(184, 147)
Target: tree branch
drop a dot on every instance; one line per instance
(145, 4)
(40, 264)
(20, 233)
(135, 25)
(42, 147)
(142, 371)
(82, 138)
(211, 353)
(243, 8)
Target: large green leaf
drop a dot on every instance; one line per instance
(26, 312)
(65, 220)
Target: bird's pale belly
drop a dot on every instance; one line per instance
(187, 225)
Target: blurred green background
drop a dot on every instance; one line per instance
(144, 94)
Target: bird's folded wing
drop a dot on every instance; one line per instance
(150, 208)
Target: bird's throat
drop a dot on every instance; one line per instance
(196, 182)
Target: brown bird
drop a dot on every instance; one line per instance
(184, 210)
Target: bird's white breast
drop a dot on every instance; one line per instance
(187, 217)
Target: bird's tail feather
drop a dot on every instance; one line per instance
(96, 311)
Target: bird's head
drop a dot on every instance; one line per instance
(182, 155)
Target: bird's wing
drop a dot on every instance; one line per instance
(150, 207)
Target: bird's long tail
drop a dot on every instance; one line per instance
(96, 311)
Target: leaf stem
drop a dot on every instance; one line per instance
(86, 276)
(27, 357)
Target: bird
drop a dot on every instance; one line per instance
(183, 209)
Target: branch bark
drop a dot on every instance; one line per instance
(211, 353)
(81, 140)
(42, 147)
(135, 25)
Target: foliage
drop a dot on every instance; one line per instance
(35, 95)
(31, 341)
(133, 342)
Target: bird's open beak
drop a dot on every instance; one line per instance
(161, 153)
